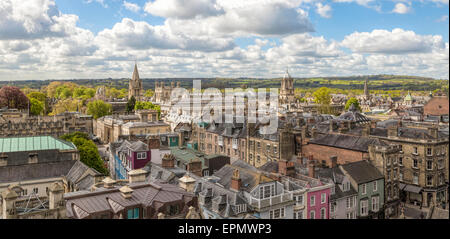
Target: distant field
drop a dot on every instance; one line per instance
(378, 82)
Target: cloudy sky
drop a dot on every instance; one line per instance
(64, 39)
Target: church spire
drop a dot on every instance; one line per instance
(366, 87)
(135, 73)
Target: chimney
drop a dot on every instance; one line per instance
(331, 126)
(366, 130)
(9, 197)
(108, 182)
(313, 132)
(55, 198)
(311, 167)
(392, 131)
(187, 183)
(334, 161)
(433, 131)
(168, 161)
(236, 181)
(126, 192)
(286, 168)
(195, 166)
(178, 85)
(136, 176)
(172, 85)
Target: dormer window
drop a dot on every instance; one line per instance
(142, 155)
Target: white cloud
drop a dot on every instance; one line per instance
(183, 9)
(131, 6)
(323, 10)
(444, 18)
(32, 19)
(101, 2)
(398, 41)
(401, 8)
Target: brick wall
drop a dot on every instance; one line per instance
(321, 152)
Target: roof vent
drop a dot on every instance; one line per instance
(126, 192)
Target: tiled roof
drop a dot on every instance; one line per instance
(33, 143)
(351, 142)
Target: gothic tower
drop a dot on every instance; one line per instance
(287, 89)
(366, 88)
(135, 86)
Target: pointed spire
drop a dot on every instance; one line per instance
(135, 73)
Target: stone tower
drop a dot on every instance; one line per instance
(135, 86)
(287, 89)
(366, 88)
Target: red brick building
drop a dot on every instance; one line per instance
(437, 106)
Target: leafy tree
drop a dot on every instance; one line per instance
(12, 97)
(322, 96)
(149, 93)
(98, 108)
(89, 154)
(78, 92)
(37, 95)
(69, 105)
(353, 101)
(131, 104)
(65, 93)
(143, 105)
(36, 106)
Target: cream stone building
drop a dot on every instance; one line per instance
(135, 86)
(110, 128)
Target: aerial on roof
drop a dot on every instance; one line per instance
(33, 143)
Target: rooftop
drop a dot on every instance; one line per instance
(21, 144)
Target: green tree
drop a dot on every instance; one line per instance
(322, 96)
(353, 101)
(149, 93)
(131, 104)
(98, 108)
(36, 106)
(89, 154)
(143, 105)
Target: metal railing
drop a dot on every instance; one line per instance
(273, 200)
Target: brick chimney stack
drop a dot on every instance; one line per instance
(236, 181)
(311, 167)
(55, 195)
(168, 161)
(334, 161)
(135, 176)
(433, 131)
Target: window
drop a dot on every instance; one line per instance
(388, 161)
(298, 200)
(258, 159)
(400, 176)
(415, 163)
(375, 186)
(429, 152)
(268, 148)
(395, 173)
(375, 204)
(275, 149)
(401, 148)
(267, 191)
(415, 151)
(429, 164)
(323, 198)
(346, 186)
(400, 160)
(298, 215)
(416, 178)
(312, 215)
(348, 202)
(388, 175)
(35, 190)
(312, 201)
(333, 207)
(250, 156)
(142, 155)
(363, 190)
(323, 213)
(133, 213)
(277, 213)
(429, 180)
(364, 204)
(350, 215)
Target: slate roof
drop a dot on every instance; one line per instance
(356, 143)
(250, 177)
(337, 176)
(362, 171)
(144, 194)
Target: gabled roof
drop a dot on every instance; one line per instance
(362, 171)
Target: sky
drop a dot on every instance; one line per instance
(68, 39)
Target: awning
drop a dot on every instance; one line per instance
(412, 189)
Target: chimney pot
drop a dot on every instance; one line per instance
(334, 161)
